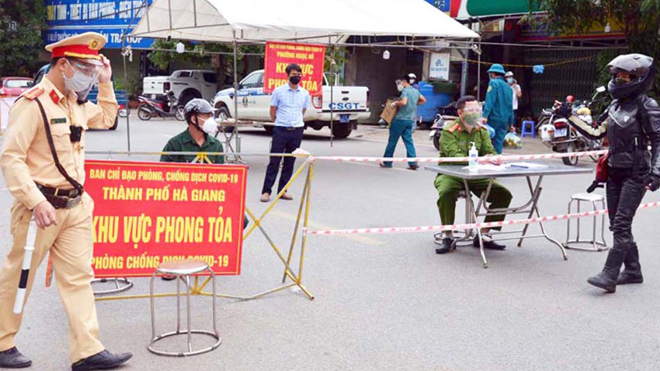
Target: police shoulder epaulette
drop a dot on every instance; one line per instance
(455, 127)
(33, 93)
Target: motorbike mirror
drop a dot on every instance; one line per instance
(601, 89)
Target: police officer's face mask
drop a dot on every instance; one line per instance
(83, 79)
(472, 117)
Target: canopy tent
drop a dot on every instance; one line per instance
(321, 21)
(311, 21)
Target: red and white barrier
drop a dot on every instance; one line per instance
(545, 156)
(395, 230)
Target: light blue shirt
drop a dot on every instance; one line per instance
(290, 104)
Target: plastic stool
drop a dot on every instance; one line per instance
(182, 269)
(527, 129)
(469, 219)
(596, 245)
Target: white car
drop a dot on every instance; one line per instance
(349, 104)
(186, 85)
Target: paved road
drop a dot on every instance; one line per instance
(383, 302)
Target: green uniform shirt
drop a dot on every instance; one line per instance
(499, 102)
(185, 143)
(456, 141)
(407, 112)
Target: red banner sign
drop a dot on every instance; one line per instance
(309, 57)
(147, 213)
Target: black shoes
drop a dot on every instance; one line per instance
(447, 245)
(488, 244)
(101, 361)
(607, 279)
(413, 167)
(632, 272)
(12, 358)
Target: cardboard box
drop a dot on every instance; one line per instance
(389, 111)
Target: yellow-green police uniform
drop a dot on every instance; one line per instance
(456, 142)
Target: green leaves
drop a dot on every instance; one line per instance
(21, 22)
(640, 20)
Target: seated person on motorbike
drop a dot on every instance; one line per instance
(457, 138)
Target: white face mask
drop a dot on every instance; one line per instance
(210, 127)
(399, 87)
(79, 82)
(412, 81)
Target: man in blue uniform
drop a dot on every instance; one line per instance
(498, 110)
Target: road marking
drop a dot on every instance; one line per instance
(319, 226)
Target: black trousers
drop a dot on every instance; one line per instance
(625, 190)
(284, 141)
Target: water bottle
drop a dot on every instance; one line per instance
(474, 155)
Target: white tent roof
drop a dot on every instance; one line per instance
(325, 21)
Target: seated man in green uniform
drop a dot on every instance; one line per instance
(194, 139)
(456, 140)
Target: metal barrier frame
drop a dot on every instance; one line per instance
(296, 277)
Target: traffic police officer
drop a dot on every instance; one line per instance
(456, 141)
(46, 127)
(498, 109)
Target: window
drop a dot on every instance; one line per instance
(18, 83)
(183, 74)
(210, 77)
(253, 81)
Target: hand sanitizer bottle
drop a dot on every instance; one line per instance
(474, 155)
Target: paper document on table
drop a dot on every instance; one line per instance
(527, 165)
(489, 167)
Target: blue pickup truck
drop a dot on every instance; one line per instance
(121, 95)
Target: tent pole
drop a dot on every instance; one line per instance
(479, 74)
(238, 141)
(128, 120)
(464, 71)
(332, 100)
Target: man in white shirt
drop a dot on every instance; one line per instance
(287, 108)
(517, 93)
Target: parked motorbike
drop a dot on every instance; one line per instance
(445, 114)
(557, 134)
(149, 108)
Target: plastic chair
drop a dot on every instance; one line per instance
(527, 129)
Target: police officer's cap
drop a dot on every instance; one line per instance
(83, 46)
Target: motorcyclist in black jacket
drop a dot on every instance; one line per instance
(631, 123)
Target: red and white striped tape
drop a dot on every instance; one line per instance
(455, 227)
(545, 156)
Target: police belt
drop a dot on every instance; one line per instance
(61, 199)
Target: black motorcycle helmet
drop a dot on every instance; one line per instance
(195, 107)
(640, 67)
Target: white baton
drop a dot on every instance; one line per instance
(25, 272)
